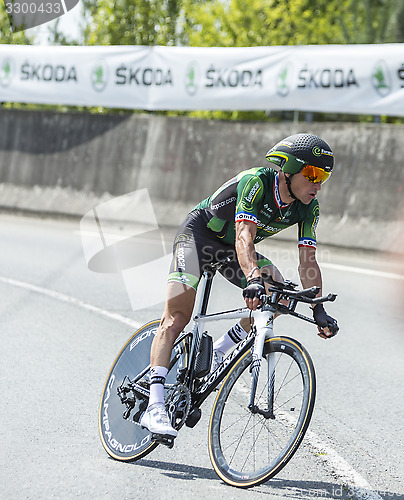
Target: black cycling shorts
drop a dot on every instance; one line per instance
(196, 246)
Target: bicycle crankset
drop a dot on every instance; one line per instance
(178, 402)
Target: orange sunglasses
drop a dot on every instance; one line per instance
(315, 174)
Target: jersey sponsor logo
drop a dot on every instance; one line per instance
(307, 242)
(253, 192)
(245, 205)
(223, 203)
(314, 225)
(181, 257)
(248, 217)
(266, 210)
(269, 229)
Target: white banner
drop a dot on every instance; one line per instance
(366, 79)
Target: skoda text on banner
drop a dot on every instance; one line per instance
(365, 79)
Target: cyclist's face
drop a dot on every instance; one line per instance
(303, 189)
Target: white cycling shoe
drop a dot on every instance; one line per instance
(155, 419)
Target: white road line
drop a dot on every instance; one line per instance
(357, 485)
(360, 270)
(71, 300)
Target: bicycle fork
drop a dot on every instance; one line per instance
(264, 325)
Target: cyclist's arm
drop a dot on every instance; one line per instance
(247, 258)
(245, 248)
(309, 270)
(310, 275)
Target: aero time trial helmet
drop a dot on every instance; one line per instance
(297, 151)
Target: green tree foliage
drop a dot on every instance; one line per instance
(6, 33)
(132, 22)
(236, 23)
(372, 21)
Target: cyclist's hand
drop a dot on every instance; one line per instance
(252, 292)
(327, 326)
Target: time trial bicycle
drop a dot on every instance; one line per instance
(266, 389)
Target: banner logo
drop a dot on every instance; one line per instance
(234, 77)
(282, 86)
(326, 78)
(48, 72)
(400, 74)
(99, 76)
(381, 79)
(6, 72)
(141, 76)
(192, 77)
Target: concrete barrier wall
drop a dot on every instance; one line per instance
(68, 163)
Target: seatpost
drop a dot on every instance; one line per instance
(206, 289)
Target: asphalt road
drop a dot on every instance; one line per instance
(62, 325)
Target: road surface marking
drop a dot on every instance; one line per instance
(358, 486)
(360, 270)
(71, 300)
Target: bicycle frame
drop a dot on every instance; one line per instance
(263, 321)
(246, 394)
(263, 328)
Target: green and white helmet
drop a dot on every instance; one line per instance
(296, 151)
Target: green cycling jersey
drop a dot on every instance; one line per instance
(253, 195)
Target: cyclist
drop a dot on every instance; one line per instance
(255, 204)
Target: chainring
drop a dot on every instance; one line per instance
(178, 403)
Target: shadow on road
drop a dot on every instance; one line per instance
(284, 488)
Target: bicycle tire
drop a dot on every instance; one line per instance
(240, 441)
(124, 439)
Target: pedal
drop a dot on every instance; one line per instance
(165, 440)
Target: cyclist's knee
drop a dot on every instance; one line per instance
(172, 325)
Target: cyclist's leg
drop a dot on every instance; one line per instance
(183, 280)
(177, 313)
